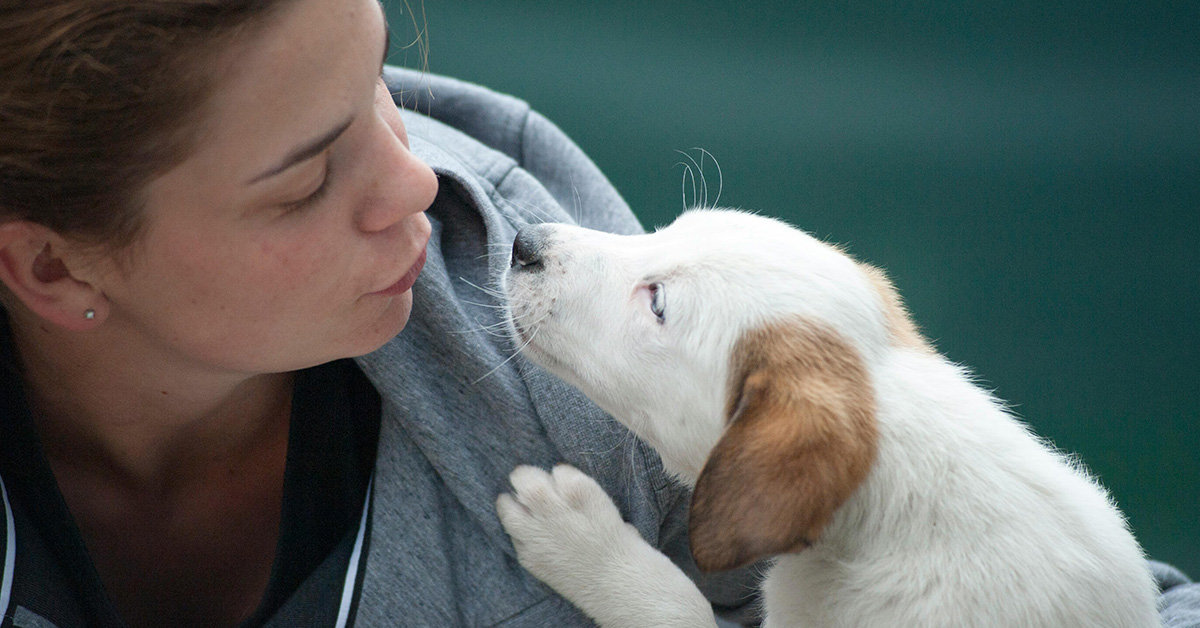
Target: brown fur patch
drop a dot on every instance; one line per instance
(802, 437)
(904, 331)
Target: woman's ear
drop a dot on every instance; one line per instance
(801, 438)
(34, 267)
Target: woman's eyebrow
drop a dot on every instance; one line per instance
(314, 148)
(304, 152)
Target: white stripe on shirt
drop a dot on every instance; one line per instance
(355, 556)
(10, 553)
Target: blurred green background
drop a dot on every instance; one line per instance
(1028, 172)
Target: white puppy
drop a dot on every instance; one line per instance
(785, 383)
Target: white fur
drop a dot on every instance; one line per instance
(965, 518)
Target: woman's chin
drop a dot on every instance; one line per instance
(391, 322)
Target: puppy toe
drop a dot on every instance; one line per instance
(509, 509)
(566, 474)
(527, 476)
(579, 490)
(532, 487)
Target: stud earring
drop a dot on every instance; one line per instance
(90, 314)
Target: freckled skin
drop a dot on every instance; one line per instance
(223, 268)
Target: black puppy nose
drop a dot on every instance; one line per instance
(527, 249)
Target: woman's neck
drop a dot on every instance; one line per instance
(145, 422)
(168, 471)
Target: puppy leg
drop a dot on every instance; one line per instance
(570, 535)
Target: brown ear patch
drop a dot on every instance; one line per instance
(802, 437)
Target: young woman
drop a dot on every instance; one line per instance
(206, 208)
(212, 218)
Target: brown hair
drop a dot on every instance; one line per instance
(97, 97)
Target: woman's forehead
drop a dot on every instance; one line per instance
(297, 76)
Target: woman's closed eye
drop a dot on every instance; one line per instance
(312, 198)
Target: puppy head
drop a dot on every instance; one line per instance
(735, 345)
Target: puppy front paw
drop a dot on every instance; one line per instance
(561, 521)
(569, 533)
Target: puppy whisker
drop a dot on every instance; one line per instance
(539, 214)
(492, 292)
(515, 353)
(494, 329)
(699, 197)
(578, 205)
(683, 185)
(492, 306)
(700, 193)
(720, 177)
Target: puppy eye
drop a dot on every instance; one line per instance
(658, 301)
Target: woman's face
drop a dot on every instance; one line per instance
(293, 233)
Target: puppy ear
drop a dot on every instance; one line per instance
(802, 437)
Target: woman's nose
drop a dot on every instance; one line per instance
(401, 185)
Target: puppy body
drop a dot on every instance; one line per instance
(964, 520)
(784, 382)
